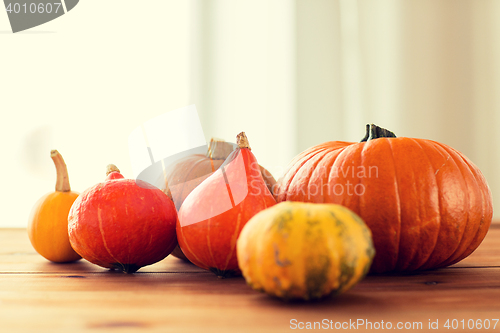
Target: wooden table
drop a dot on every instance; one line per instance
(173, 296)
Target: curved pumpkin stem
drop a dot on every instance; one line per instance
(62, 182)
(242, 141)
(375, 132)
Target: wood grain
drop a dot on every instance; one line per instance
(173, 296)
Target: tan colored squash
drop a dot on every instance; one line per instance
(304, 251)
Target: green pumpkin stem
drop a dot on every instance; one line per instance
(375, 132)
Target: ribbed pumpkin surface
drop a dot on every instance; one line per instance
(426, 204)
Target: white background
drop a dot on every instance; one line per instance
(80, 84)
(291, 74)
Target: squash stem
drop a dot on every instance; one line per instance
(219, 149)
(242, 141)
(375, 132)
(111, 168)
(62, 182)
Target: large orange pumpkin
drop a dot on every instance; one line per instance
(427, 205)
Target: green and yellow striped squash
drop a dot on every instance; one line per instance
(297, 250)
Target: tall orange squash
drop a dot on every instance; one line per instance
(213, 214)
(186, 174)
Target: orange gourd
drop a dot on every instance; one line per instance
(213, 214)
(189, 172)
(48, 221)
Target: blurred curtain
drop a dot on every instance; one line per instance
(297, 73)
(243, 75)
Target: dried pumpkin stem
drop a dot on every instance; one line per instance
(111, 168)
(219, 149)
(242, 141)
(62, 182)
(375, 132)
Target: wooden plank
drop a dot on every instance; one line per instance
(172, 296)
(200, 301)
(488, 253)
(17, 255)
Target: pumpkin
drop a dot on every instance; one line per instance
(213, 214)
(48, 221)
(297, 250)
(427, 205)
(122, 223)
(186, 174)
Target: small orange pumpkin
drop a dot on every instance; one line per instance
(48, 221)
(122, 224)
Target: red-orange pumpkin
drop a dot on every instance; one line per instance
(122, 223)
(213, 214)
(186, 174)
(427, 205)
